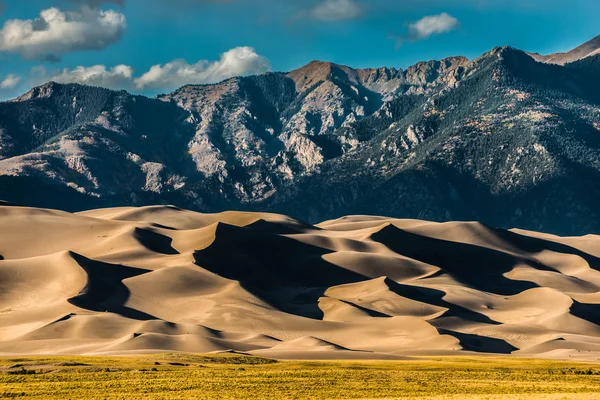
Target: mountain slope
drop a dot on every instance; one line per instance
(95, 140)
(503, 147)
(274, 128)
(501, 139)
(587, 49)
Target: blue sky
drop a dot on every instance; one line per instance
(151, 46)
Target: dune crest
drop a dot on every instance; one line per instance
(155, 279)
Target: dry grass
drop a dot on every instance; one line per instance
(172, 376)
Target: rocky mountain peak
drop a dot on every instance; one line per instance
(498, 51)
(311, 74)
(43, 91)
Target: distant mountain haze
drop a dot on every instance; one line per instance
(501, 139)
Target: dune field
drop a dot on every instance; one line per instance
(163, 279)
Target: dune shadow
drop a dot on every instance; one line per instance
(161, 226)
(478, 267)
(154, 241)
(277, 228)
(436, 297)
(535, 245)
(292, 275)
(479, 343)
(586, 311)
(368, 311)
(105, 291)
(287, 274)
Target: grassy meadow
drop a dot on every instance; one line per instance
(176, 376)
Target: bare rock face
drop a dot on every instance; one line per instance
(498, 139)
(279, 127)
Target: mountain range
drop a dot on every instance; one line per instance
(511, 139)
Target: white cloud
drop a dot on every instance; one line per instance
(431, 25)
(238, 61)
(118, 77)
(337, 10)
(96, 3)
(57, 32)
(10, 81)
(235, 62)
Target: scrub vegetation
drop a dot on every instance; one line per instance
(176, 376)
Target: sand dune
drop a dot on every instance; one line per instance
(155, 279)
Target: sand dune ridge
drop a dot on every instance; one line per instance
(154, 279)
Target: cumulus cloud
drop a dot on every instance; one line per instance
(337, 10)
(432, 25)
(427, 27)
(235, 62)
(118, 77)
(238, 61)
(10, 81)
(57, 32)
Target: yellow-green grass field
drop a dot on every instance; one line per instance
(176, 376)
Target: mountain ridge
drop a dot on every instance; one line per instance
(440, 140)
(587, 49)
